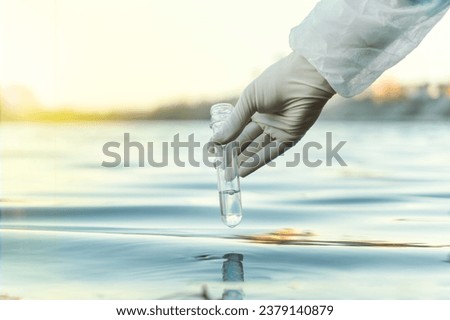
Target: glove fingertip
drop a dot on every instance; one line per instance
(218, 137)
(243, 172)
(226, 133)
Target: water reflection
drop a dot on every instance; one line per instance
(289, 236)
(233, 271)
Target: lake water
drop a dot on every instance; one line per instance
(378, 228)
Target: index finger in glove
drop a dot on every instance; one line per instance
(238, 119)
(264, 155)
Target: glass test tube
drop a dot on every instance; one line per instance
(227, 170)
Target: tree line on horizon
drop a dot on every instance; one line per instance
(396, 103)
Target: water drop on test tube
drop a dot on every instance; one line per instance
(227, 170)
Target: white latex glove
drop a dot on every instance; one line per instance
(275, 111)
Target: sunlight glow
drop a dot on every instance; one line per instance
(109, 54)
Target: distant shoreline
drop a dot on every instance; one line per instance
(419, 106)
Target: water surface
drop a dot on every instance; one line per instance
(375, 229)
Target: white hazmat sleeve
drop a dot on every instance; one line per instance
(352, 42)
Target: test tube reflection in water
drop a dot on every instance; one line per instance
(233, 271)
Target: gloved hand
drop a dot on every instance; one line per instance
(275, 111)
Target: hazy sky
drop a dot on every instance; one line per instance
(103, 53)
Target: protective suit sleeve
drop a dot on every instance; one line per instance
(352, 42)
